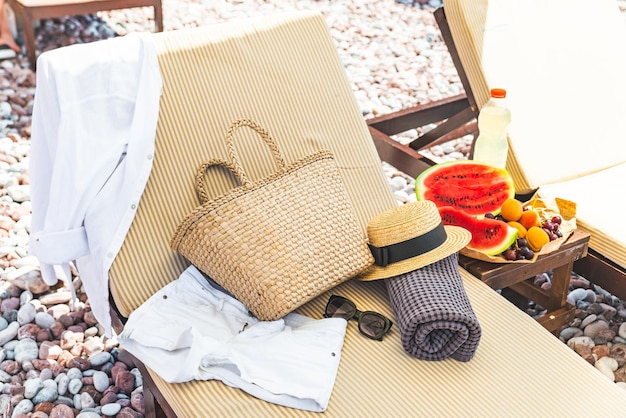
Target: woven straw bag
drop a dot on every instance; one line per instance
(278, 242)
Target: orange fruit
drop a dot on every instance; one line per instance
(529, 218)
(521, 229)
(511, 209)
(537, 238)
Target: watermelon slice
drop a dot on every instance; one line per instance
(489, 236)
(473, 187)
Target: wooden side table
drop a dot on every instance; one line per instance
(518, 277)
(27, 11)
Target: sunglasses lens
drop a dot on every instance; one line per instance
(372, 325)
(340, 308)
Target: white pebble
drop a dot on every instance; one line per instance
(46, 374)
(23, 407)
(99, 358)
(26, 314)
(583, 340)
(100, 381)
(437, 150)
(398, 183)
(111, 409)
(22, 227)
(31, 387)
(5, 378)
(26, 350)
(401, 196)
(138, 378)
(23, 273)
(7, 180)
(27, 297)
(19, 193)
(456, 155)
(62, 383)
(74, 373)
(90, 414)
(86, 401)
(75, 386)
(9, 333)
(55, 298)
(607, 365)
(448, 149)
(77, 401)
(44, 320)
(5, 109)
(576, 295)
(30, 261)
(50, 384)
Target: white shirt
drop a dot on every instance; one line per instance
(190, 330)
(92, 144)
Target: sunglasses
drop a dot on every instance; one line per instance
(371, 324)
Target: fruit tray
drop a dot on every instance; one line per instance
(547, 209)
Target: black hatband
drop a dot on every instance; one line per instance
(408, 249)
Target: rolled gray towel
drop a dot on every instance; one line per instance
(434, 314)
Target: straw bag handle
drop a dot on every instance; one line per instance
(203, 196)
(238, 169)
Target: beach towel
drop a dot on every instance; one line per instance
(434, 314)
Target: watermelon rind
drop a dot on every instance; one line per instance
(504, 245)
(471, 186)
(481, 229)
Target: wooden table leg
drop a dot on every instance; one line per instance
(560, 285)
(515, 278)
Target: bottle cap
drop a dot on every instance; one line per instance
(498, 93)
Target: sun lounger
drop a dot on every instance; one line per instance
(283, 71)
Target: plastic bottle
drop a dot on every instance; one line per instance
(494, 118)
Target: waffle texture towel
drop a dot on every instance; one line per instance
(434, 314)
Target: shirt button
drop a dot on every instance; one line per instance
(149, 156)
(133, 206)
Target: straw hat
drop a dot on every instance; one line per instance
(409, 237)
